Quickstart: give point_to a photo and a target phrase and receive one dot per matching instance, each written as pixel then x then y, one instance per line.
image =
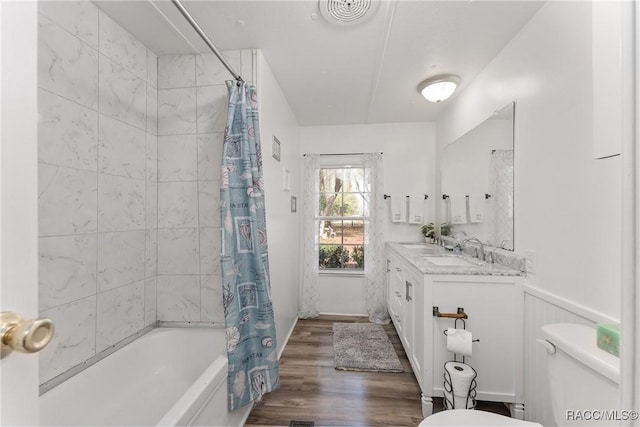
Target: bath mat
pixel 302 424
pixel 363 347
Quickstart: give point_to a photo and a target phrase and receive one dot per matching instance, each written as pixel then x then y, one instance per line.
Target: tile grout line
pixel 91 233
pixel 43 14
pixel 195 72
pixel 94 294
pixel 157 213
pixel 95 336
pixel 146 176
pixel 96 110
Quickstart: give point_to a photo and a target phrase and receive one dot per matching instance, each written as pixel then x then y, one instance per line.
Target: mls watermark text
pixel 601 415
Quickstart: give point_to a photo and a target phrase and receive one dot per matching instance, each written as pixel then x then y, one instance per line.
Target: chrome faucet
pixel 474 240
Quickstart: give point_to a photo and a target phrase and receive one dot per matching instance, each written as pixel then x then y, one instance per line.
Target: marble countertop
pixel 428 258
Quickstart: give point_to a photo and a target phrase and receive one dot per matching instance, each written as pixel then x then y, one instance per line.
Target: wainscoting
pixel 541 308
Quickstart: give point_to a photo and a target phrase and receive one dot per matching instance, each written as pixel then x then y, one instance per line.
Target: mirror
pixel 476 181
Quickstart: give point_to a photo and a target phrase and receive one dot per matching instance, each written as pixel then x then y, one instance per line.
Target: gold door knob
pixel 25 336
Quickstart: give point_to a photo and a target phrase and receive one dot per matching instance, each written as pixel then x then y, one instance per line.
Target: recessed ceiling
pixel 336 75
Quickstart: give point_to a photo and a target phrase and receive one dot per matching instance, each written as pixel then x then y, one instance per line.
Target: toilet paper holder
pixel 460 314
pixel 464 326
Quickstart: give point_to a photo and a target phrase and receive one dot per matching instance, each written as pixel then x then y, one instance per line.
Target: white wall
pixel 409 169
pixel 277 118
pixel 567 205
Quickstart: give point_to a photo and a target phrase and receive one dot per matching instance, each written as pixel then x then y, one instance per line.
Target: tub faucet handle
pixel 25 336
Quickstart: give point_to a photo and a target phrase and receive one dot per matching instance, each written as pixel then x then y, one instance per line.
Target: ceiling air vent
pixel 347 12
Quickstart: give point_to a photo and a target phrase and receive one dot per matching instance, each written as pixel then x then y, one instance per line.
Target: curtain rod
pixel 206 39
pixel 339 154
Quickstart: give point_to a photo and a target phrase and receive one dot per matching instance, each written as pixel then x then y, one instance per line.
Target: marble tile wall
pixel 192 101
pixel 98 183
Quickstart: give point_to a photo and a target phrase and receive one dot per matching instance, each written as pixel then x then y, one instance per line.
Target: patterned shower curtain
pixel 248 310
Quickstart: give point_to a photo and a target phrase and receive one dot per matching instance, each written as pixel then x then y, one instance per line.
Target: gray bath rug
pixel 363 347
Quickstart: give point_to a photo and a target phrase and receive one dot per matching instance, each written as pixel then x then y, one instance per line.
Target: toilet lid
pixel 467 417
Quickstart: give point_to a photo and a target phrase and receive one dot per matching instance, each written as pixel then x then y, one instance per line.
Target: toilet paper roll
pixel 456 402
pixel 459 341
pixel 460 402
pixel 448 400
pixel 460 376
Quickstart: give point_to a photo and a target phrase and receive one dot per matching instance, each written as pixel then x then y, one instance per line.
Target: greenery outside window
pixel 343 212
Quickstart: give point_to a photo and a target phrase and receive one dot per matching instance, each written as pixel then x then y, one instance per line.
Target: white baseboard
pixel 344 314
pixel 286 340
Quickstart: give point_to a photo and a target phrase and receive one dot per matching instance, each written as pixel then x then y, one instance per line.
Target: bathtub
pixel 167 377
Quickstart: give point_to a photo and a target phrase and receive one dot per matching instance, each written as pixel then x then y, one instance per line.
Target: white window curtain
pixel 374 259
pixel 310 292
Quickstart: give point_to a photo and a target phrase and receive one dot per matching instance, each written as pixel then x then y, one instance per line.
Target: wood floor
pixel 312 390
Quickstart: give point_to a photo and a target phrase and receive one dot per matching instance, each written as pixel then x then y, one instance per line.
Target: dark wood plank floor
pixel 312 390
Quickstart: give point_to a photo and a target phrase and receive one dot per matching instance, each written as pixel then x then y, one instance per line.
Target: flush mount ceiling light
pixel 438 88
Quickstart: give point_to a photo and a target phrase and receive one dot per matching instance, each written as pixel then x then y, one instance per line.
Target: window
pixel 343 193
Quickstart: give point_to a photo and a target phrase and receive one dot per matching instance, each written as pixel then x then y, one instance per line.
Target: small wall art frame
pixel 275 148
pixel 286 179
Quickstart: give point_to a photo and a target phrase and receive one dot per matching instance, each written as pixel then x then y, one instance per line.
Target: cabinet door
pixel 399 317
pixel 394 295
pixel 414 283
pixel 388 291
pixel 418 352
pixel 408 314
pixel 492 308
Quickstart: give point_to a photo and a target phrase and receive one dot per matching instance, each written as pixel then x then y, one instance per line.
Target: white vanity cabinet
pixel 405 302
pixel 494 305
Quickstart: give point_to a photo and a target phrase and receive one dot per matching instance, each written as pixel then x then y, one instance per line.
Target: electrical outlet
pixel 530 259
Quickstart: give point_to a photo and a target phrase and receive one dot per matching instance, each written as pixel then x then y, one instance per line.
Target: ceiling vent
pixel 348 12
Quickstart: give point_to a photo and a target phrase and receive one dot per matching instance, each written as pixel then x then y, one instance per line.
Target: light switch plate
pixel 530 257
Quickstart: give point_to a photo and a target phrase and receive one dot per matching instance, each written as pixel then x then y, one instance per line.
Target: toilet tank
pixel 583 379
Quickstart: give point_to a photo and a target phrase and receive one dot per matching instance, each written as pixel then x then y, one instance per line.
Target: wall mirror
pixel 476 181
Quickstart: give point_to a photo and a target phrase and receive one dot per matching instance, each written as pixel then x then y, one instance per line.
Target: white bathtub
pixel 168 377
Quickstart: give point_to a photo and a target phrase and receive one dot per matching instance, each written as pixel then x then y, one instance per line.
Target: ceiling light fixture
pixel 438 88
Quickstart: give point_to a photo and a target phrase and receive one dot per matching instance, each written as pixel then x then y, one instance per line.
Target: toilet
pixel 582 378
pixel 472 417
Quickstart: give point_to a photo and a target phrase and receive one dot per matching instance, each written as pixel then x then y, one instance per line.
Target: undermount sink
pixel 421 248
pixel 450 261
pixel 414 246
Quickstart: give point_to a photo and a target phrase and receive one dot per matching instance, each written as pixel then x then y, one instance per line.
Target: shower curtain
pixel 246 290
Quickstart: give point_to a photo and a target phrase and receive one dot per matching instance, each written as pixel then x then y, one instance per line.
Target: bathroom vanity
pixel 421 277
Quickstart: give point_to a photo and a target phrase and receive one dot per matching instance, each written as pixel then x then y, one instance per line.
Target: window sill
pixel 343 273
